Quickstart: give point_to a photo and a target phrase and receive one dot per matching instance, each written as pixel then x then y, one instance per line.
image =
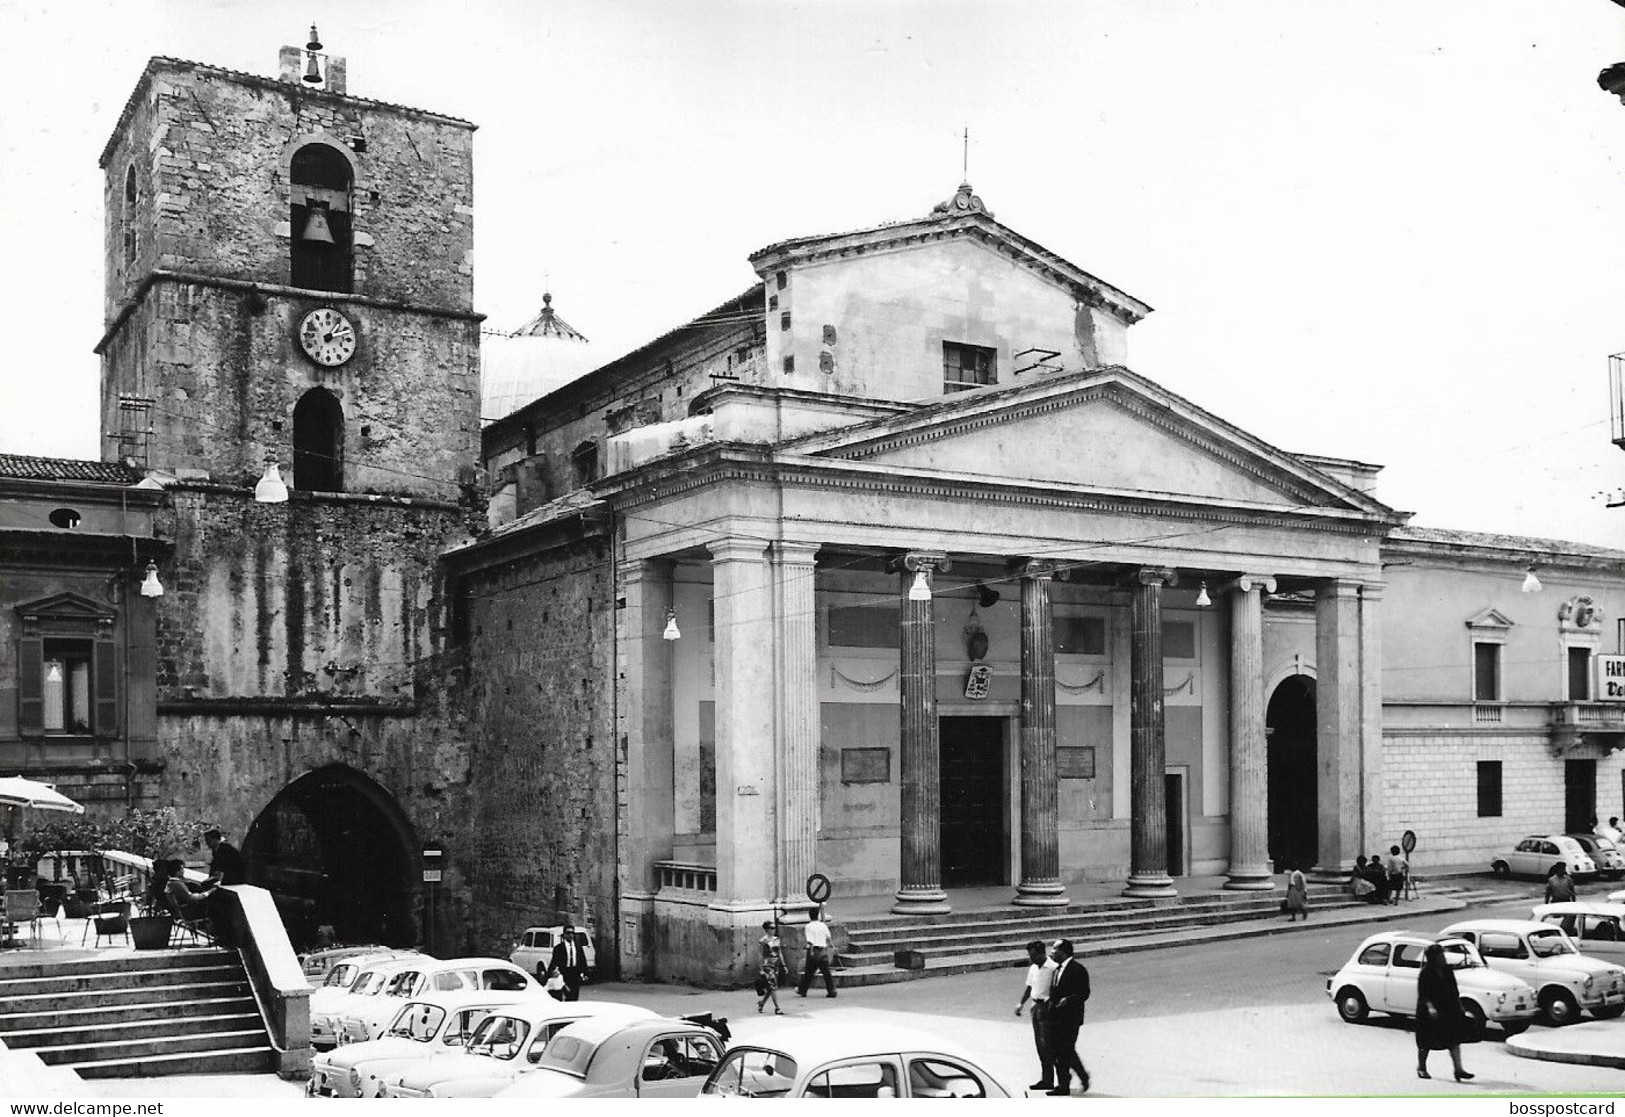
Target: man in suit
pixel 569 962
pixel 1069 990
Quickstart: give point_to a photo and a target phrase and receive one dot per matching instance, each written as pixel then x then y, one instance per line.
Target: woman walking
pixel 1440 1023
pixel 1559 885
pixel 767 978
pixel 1297 896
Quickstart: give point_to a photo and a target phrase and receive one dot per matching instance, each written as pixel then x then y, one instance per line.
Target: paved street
pixel 1246 1017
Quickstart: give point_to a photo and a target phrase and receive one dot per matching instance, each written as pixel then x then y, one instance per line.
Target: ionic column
pixel 1040 817
pixel 920 889
pixel 1148 840
pixel 1249 756
pixel 1372 829
pixel 1338 740
pixel 798 733
pixel 745 724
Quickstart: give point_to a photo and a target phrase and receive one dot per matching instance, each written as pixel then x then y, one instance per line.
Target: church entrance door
pixel 1294 807
pixel 975 832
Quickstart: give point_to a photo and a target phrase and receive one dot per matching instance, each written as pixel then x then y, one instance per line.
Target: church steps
pixel 233 1060
pixel 12 1022
pixel 105 982
pixel 102 1032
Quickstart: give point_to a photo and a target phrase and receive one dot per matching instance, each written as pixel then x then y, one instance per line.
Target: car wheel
pixel 1618 874
pixel 1501 869
pixel 1351 1005
pixel 1474 1012
pixel 1608 1013
pixel 1513 1029
pixel 1559 1007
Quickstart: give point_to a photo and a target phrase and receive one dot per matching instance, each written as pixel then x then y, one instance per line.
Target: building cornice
pixel 225 283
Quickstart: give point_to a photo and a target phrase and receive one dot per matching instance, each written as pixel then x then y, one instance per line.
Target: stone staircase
pixel 138 1015
pixel 962 942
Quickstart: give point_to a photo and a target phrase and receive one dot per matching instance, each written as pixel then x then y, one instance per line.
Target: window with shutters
pixel 67 668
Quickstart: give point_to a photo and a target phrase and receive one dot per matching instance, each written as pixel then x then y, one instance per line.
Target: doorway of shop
pixel 1294 786
pixel 1579 796
pixel 975 834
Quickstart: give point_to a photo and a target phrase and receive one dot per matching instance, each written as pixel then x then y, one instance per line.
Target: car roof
pixel 1513 926
pixel 1581 907
pixel 1554 837
pixel 454 1000
pixel 811 1043
pixel 557 927
pixel 612 1014
pixel 443 964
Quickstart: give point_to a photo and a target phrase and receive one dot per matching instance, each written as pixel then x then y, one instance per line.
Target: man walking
pixel 817 933
pixel 569 962
pixel 1040 975
pixel 1068 992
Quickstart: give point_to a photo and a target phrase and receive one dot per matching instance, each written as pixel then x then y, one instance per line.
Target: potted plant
pixel 160 834
pixel 54 839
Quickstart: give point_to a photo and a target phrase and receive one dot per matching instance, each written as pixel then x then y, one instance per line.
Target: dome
pixel 539 357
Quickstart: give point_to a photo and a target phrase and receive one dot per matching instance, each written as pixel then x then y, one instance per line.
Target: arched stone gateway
pixel 1293 806
pixel 335 848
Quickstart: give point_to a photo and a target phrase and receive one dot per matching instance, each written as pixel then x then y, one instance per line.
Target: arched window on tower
pixel 132 194
pixel 318 443
pixel 319 221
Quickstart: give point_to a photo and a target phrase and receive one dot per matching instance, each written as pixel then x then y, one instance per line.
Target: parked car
pixel 806 1059
pixel 1598 928
pixel 507 1042
pixel 365 976
pixel 1605 852
pixel 662 1057
pixel 319 963
pixel 533 953
pixel 1536 854
pixel 365 1018
pixel 423 1028
pixel 1566 982
pixel 1382 972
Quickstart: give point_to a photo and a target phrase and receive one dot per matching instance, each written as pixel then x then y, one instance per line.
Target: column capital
pixel 1337 587
pixel 1154 576
pixel 1039 568
pixel 1372 591
pixel 732 549
pixel 914 561
pixel 800 554
pixel 1246 583
pixel 631 571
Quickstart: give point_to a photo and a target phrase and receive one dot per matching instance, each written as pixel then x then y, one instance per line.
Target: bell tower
pixel 290 281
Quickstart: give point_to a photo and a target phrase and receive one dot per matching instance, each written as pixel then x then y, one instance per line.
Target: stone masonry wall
pixel 540 650
pixel 211 151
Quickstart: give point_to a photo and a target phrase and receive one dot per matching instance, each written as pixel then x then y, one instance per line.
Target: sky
pixel 1392 231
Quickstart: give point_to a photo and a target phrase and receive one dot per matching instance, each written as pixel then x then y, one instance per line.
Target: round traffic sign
pixel 818 888
pixel 1408 842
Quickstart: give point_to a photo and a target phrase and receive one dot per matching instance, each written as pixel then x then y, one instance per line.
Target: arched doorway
pixel 333 847
pixel 1294 806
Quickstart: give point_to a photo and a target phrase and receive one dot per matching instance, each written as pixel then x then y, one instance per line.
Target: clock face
pixel 327 337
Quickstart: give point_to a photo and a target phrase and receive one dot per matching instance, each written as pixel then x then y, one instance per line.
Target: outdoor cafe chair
pixel 22 906
pixel 111 920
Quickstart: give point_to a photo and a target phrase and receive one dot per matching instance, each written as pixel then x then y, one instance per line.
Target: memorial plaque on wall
pixel 978 681
pixel 1075 763
pixel 865 765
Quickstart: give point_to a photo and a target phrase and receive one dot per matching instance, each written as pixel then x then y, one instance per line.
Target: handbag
pixel 554 982
pixel 762 985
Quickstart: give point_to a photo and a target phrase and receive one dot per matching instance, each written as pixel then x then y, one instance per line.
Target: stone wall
pixel 540 634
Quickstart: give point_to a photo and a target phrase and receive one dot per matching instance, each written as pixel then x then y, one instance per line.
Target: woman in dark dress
pixel 1440 1023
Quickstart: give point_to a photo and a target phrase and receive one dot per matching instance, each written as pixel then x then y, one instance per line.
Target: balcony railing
pixel 1574 724
pixel 686 875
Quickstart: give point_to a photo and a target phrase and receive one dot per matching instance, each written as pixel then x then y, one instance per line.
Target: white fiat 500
pixel 1566 981
pixel 365 1018
pixel 1381 976
pixel 361 977
pixel 1598 927
pixel 1536 854
pixel 424 1027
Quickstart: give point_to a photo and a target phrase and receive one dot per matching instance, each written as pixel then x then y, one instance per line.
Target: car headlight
pixel 355 1080
pixel 1588 983
pixel 1500 999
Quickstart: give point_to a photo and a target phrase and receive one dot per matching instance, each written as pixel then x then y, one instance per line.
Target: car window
pixel 461 1027
pixel 1409 955
pixel 671 1057
pixel 418 1022
pixel 753 1074
pixel 854 1080
pixel 341 974
pixel 937 1078
pixel 544 1033
pixel 499 1037
pixel 1600 928
pixel 1459 957
pixel 504 979
pixel 1548 848
pixel 1604 843
pixel 568 1055
pixel 1374 955
pixel 1548 944
pixel 1528 845
pixel 527 939
pixel 1499 944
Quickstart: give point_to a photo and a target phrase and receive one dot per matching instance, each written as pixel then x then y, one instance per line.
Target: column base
pixel 921 901
pixel 1155 886
pixel 1048 894
pixel 1251 878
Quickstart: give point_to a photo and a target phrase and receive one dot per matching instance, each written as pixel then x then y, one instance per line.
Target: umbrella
pixel 18 792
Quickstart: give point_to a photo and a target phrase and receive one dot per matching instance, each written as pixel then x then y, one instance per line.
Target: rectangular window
pixel 1178 640
pixel 1579 674
pixel 967 366
pixel 1489 789
pixel 1080 635
pixel 865 626
pixel 67 686
pixel 1486 672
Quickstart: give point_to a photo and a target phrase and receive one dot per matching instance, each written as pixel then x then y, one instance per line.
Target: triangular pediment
pixel 1104 430
pixel 1489 619
pixel 65 606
